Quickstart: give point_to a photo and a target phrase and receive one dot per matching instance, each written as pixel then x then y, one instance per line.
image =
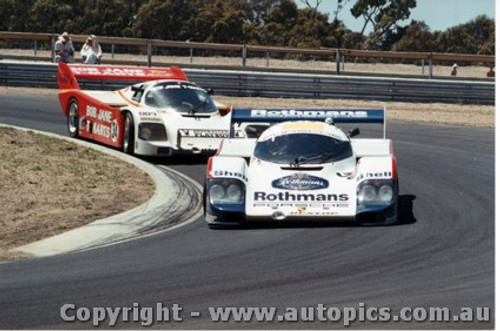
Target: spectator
pixel 64 49
pixel 454 69
pixel 491 73
pixel 91 51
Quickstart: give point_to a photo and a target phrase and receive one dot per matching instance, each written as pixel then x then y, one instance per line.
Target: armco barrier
pixel 284 85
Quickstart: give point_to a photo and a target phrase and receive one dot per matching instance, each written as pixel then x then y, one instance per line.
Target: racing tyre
pixel 73 118
pixel 128 134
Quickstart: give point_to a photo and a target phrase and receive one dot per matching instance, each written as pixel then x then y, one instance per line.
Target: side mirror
pixel 354 132
pixel 223 111
pixel 210 91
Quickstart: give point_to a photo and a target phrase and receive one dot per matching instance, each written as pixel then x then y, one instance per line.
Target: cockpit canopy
pixel 302 148
pixel 180 96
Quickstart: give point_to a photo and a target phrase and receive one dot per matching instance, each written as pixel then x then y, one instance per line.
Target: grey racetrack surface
pixel 441 255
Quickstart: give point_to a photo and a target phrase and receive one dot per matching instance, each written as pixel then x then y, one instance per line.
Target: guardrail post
pixel 267 59
pixel 337 60
pixel 112 51
pixel 36 46
pixel 430 65
pixel 52 47
pixel 343 62
pixel 244 57
pixel 191 55
pixel 150 51
pixel 423 66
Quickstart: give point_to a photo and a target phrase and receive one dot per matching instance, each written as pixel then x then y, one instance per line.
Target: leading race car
pixel 162 114
pixel 304 167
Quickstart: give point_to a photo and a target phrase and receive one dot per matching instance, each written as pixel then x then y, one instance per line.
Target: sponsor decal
pixel 369 175
pixel 300 182
pixel 147 113
pixel 197 133
pixel 302 197
pixel 223 173
pixel 103 125
pixel 109 71
pixel 307 114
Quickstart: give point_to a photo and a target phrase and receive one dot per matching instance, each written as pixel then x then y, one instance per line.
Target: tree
pixel 163 19
pixel 56 16
pixel 311 30
pixel 383 15
pixel 474 37
pixel 416 38
pixel 277 24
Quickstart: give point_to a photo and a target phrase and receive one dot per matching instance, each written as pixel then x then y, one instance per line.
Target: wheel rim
pixel 73 118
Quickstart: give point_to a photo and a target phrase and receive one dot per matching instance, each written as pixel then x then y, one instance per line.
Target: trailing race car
pixel 303 167
pixel 161 115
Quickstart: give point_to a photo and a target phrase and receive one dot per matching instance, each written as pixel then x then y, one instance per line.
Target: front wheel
pixel 128 134
pixel 73 116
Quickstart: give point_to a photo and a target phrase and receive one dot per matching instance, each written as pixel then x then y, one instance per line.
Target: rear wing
pixel 370 116
pixel 67 74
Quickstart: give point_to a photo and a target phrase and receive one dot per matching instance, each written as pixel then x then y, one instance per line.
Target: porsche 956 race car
pixel 162 114
pixel 303 167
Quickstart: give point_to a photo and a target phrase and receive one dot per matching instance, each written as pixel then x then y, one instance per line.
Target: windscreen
pixel 302 148
pixel 182 97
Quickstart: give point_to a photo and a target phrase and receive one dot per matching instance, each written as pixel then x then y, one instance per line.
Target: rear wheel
pixel 73 117
pixel 128 134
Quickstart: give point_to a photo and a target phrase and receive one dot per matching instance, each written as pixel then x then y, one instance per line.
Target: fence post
pixel 337 60
pixel 244 57
pixel 267 59
pixel 430 65
pixel 191 55
pixel 52 48
pixel 112 51
pixel 423 66
pixel 150 51
pixel 36 46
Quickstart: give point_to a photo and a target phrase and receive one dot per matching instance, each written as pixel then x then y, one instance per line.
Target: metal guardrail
pixel 284 85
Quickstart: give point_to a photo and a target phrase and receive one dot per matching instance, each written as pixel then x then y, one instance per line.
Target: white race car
pixel 304 167
pixel 161 115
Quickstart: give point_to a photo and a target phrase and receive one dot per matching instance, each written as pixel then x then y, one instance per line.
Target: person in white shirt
pixel 91 51
pixel 64 49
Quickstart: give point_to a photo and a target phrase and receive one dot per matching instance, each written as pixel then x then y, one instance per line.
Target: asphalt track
pixel 441 255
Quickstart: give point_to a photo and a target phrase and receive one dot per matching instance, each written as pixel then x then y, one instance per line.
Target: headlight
pixel 385 193
pixel 152 131
pixel 217 192
pixel 368 193
pixel 145 133
pixel 376 192
pixel 234 193
pixel 226 191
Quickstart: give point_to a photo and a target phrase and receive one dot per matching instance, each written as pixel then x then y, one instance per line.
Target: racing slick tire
pixel 128 134
pixel 73 118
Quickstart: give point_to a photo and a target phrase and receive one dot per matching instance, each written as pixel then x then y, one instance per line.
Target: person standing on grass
pixel 91 51
pixel 64 49
pixel 454 69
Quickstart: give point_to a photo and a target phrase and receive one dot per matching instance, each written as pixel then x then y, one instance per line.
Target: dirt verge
pixel 48 186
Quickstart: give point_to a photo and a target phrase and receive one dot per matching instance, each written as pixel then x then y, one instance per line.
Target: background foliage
pixel 260 22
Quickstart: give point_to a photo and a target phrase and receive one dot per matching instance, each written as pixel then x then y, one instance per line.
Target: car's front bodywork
pixel 302 169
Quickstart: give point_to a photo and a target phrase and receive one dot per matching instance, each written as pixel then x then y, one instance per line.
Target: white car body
pixel 308 189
